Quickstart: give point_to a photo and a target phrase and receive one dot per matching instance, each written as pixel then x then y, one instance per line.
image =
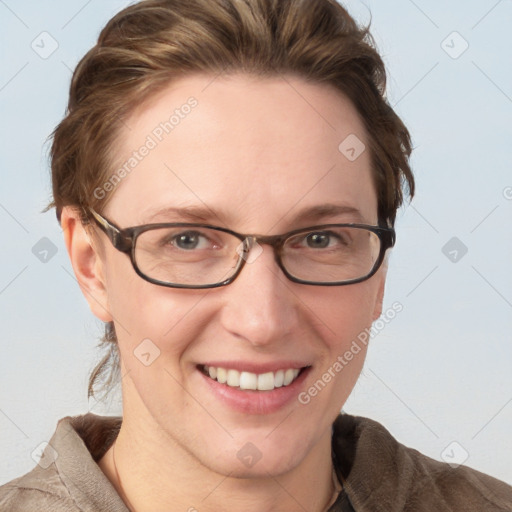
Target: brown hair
pixel 148 44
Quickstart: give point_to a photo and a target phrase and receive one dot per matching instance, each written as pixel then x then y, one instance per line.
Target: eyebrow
pixel 316 213
pixel 185 213
pixel 203 214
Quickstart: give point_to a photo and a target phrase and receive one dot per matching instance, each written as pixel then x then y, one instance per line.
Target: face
pixel 252 155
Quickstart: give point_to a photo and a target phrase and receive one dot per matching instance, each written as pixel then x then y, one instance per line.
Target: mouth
pixel 249 381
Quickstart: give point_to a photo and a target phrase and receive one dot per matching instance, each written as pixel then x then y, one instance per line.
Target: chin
pixel 262 453
pixel 249 462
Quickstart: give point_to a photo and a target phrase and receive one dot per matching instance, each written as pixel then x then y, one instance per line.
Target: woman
pixel 227 179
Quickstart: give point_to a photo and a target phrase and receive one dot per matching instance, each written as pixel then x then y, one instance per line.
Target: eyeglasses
pixel 186 255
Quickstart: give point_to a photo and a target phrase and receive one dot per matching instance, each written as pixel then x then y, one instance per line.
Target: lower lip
pixel 256 402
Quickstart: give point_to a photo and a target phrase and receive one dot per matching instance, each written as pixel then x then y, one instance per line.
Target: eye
pixel 324 240
pixel 190 240
pixel 336 239
pixel 318 240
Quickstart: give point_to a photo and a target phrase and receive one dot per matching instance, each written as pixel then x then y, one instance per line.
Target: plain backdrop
pixel 439 375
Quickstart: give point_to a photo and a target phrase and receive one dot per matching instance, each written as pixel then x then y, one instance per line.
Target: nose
pixel 260 305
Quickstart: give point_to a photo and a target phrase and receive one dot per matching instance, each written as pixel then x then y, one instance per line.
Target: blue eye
pixel 189 240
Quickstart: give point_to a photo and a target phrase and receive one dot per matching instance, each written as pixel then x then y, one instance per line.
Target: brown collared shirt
pixel 378 474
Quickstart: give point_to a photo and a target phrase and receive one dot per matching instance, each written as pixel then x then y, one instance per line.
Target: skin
pixel 256 152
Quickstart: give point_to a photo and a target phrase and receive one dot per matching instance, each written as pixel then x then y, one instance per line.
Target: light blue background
pixel 440 372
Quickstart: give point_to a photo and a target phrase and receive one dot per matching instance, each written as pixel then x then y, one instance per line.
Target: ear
pixel 379 298
pixel 86 262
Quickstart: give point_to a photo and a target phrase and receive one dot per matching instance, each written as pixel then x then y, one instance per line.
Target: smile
pixel 252 381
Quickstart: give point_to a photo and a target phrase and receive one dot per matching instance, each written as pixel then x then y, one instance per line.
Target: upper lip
pixel 252 367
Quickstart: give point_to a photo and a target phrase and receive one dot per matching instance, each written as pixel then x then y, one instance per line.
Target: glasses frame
pixel 124 240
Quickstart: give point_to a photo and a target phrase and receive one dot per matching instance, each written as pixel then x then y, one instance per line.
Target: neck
pixel 138 465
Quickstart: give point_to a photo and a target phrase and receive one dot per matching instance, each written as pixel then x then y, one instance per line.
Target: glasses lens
pixel 187 255
pixel 336 254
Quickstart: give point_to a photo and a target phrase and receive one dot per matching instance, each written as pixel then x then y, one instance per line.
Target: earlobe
pixel 86 262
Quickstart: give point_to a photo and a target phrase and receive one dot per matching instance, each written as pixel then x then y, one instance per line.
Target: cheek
pixel 343 312
pixel 151 316
pixel 344 316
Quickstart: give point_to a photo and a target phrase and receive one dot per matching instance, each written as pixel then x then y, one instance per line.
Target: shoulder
pixel 67 478
pixel 379 470
pixel 39 490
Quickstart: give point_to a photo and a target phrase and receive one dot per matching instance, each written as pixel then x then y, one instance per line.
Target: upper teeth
pixel 247 380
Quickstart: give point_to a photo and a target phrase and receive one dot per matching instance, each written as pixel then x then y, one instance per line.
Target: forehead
pixel 257 151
